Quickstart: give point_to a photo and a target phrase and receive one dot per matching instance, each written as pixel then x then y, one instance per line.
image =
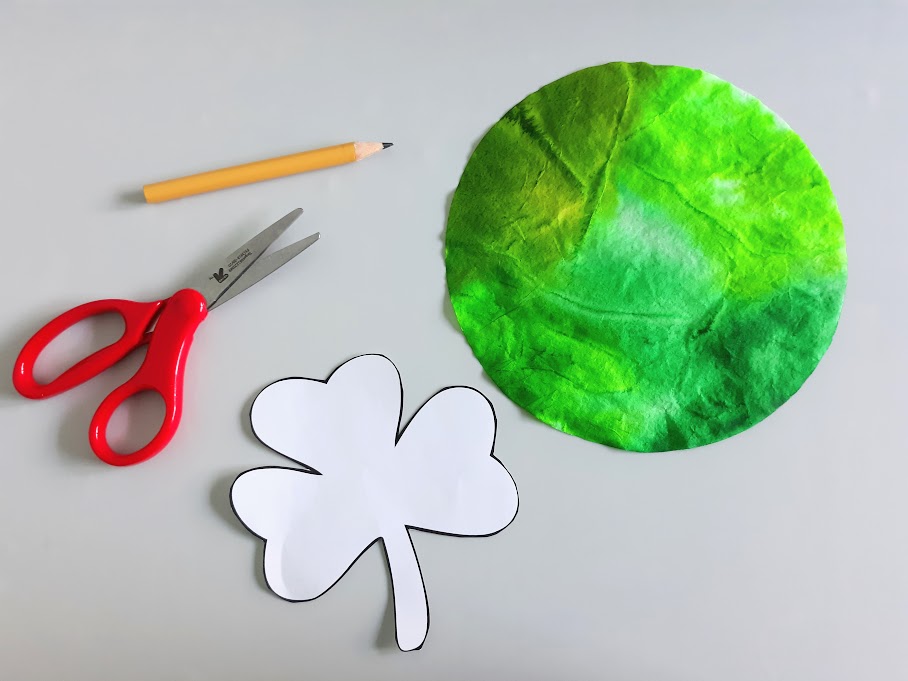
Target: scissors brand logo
pixel 220 276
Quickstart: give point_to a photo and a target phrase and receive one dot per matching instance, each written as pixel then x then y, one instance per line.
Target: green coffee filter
pixel 646 257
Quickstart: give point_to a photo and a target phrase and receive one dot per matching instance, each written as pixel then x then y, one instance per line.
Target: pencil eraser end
pixel 149 194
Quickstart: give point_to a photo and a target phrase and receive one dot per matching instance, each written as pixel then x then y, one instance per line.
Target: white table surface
pixel 778 554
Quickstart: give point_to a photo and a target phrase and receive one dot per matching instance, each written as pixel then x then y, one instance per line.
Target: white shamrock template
pixel 364 480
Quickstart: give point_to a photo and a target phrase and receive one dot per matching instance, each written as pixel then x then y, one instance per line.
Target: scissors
pixel 167 326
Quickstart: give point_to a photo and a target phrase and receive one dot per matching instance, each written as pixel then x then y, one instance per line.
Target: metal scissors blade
pixel 232 268
pixel 262 267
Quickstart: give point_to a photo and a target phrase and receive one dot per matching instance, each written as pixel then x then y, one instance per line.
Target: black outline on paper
pixel 308 470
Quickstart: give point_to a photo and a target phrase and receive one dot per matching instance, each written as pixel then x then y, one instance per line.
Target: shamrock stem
pixel 411 608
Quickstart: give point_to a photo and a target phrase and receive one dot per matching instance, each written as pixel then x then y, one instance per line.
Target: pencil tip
pixel 385 145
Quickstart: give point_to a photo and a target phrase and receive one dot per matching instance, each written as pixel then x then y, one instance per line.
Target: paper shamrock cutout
pixel 365 480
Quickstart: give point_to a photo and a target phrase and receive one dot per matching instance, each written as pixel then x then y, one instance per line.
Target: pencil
pixel 257 171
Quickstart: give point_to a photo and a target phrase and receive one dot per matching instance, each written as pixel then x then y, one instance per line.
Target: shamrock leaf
pixel 363 480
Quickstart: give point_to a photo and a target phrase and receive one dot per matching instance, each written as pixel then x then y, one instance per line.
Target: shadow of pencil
pixel 131 197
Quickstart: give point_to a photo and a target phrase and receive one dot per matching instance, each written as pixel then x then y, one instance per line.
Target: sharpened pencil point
pixel 365 149
pixel 385 145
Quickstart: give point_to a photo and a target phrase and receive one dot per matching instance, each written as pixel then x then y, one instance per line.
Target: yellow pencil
pixel 257 171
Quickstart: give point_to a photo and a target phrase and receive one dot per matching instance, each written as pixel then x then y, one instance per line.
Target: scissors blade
pixel 232 268
pixel 265 266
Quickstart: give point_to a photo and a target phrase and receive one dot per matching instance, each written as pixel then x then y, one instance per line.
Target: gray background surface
pixel 778 554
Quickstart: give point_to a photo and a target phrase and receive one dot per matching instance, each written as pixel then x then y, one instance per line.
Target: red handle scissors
pixel 167 326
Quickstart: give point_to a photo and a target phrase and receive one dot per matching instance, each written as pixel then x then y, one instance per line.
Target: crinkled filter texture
pixel 646 257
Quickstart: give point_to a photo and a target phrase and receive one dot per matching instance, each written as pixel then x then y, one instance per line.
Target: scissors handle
pixel 137 317
pixel 161 372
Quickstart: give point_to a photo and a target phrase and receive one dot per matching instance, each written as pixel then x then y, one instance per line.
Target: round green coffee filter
pixel 645 256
